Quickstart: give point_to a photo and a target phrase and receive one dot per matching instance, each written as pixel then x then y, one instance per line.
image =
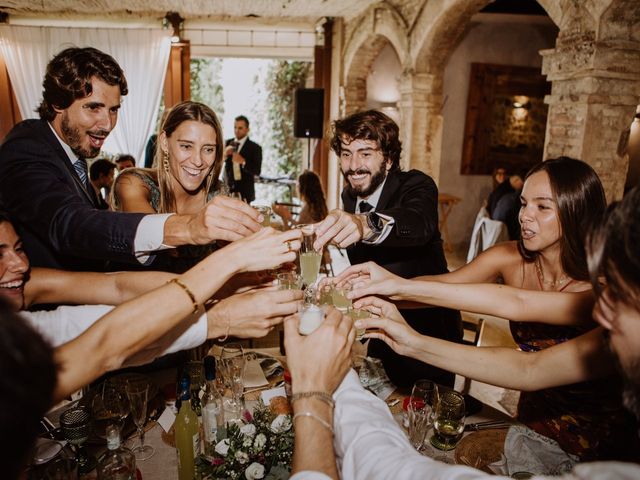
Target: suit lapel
pixel 391 185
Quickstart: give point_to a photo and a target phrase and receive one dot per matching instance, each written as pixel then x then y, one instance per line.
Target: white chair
pixel 486 233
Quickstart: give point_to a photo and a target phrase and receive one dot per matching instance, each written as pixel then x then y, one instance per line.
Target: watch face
pixel 375 222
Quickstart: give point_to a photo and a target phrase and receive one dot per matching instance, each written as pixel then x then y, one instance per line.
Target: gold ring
pixel 289 249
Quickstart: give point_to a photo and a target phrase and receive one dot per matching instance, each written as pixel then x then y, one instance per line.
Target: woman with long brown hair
pixel 560 199
pixel 314 208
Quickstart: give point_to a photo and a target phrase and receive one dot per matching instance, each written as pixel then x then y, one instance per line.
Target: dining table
pixel 163 465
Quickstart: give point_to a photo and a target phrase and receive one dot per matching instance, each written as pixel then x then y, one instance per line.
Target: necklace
pixel 552 284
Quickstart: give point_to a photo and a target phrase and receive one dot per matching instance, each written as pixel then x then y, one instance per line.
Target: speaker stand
pixel 308 153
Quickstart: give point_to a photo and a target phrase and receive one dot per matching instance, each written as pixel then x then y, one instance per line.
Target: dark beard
pixel 630 379
pixel 72 138
pixel 376 180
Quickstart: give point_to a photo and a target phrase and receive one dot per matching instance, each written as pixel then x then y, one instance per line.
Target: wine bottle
pixel 187 434
pixel 212 411
pixel 118 462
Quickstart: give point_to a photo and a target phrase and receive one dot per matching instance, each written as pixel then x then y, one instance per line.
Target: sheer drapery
pixel 143 55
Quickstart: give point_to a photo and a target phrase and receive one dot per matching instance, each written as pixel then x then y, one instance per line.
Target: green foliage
pixel 283 78
pixel 205 83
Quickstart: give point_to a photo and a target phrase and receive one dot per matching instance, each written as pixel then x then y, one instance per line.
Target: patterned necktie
pixel 80 166
pixel 365 206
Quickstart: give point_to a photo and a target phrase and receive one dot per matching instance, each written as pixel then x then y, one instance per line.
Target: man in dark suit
pixel 243 161
pixel 389 217
pixel 45 189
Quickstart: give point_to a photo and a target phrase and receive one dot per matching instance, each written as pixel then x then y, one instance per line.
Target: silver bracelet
pixel 323 396
pixel 322 422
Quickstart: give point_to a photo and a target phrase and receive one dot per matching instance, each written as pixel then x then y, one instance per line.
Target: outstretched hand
pixel 340 228
pixel 392 330
pixel 370 279
pixel 223 218
pixel 266 249
pixel 319 362
pixel 252 314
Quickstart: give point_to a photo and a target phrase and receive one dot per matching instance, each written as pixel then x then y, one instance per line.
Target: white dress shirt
pixel 370 445
pixel 67 322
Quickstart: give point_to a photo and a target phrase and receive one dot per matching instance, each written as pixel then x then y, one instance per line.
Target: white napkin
pixel 253 375
pixel 528 451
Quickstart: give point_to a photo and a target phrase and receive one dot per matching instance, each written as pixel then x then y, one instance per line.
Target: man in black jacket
pixel 243 161
pixel 45 189
pixel 389 217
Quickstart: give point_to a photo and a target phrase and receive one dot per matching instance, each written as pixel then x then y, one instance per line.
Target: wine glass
pixel 115 401
pixel 138 392
pixel 309 257
pixel 448 423
pixel 76 427
pixel 232 362
pixel 423 399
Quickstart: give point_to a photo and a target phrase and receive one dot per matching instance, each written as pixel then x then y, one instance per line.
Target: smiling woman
pixel 188 161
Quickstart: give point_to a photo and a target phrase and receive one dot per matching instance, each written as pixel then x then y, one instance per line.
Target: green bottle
pixel 187 434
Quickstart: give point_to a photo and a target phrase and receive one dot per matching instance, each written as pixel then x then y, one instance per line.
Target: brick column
pixel 595 91
pixel 421 122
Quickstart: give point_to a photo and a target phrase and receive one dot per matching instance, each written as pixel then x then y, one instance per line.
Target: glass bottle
pixel 212 411
pixel 187 434
pixel 118 462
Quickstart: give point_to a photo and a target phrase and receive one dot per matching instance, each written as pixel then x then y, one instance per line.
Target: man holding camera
pixel 243 161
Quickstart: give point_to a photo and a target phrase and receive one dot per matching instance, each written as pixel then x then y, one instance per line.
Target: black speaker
pixel 309 113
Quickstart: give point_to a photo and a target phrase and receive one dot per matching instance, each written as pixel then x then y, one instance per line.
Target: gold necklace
pixel 550 283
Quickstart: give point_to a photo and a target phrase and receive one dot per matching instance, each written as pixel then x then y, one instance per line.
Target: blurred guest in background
pixel 125 161
pixel 243 161
pixel 101 174
pixel 314 207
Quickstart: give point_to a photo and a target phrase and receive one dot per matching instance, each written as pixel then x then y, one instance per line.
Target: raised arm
pixel 491 299
pixel 582 358
pixel 115 337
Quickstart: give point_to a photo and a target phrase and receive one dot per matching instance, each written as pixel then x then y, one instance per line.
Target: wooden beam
pixel 177 87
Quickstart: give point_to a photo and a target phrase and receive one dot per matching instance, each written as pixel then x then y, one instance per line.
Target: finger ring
pixel 289 249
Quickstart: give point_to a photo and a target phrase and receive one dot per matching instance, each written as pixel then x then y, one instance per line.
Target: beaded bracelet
pixel 323 396
pixel 322 422
pixel 188 292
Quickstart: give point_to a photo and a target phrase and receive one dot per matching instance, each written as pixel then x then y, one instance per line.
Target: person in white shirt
pixel 238 309
pixel 369 444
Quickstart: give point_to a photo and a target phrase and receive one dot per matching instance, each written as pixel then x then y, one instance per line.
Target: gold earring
pixel 165 161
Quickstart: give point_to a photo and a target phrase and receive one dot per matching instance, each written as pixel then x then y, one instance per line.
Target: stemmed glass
pixel 309 257
pixel 115 401
pixel 138 392
pixel 423 400
pixel 232 363
pixel 76 427
pixel 448 424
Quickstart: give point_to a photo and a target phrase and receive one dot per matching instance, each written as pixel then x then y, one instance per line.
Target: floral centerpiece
pixel 260 447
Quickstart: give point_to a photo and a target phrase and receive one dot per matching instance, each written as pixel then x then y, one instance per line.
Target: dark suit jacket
pixel 252 153
pixel 54 214
pixel 412 248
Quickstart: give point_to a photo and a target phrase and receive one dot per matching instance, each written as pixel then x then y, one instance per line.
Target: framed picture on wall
pixel 506 119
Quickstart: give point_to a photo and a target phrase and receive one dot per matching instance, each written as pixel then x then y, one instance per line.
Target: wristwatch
pixel 374 222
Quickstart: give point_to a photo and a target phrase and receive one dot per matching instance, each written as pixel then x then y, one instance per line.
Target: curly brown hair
pixel 311 192
pixel 68 78
pixel 369 125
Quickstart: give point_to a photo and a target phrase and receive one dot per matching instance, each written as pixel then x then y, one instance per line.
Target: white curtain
pixel 143 55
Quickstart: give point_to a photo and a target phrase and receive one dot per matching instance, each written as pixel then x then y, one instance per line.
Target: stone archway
pixel 377 27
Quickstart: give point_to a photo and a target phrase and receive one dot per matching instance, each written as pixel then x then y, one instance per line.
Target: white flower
pixel 247 442
pixel 242 457
pixel 260 442
pixel 248 430
pixel 222 447
pixel 280 424
pixel 254 471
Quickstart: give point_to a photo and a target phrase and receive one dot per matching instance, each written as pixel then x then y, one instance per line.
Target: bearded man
pixel 45 189
pixel 389 217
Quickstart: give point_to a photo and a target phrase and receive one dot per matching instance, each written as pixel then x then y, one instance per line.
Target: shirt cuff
pixel 377 238
pixel 149 236
pixel 309 475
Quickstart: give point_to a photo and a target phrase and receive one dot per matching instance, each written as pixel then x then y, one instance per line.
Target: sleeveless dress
pixel 587 419
pixel 182 258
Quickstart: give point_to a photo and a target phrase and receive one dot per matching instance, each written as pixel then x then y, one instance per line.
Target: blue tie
pixel 80 166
